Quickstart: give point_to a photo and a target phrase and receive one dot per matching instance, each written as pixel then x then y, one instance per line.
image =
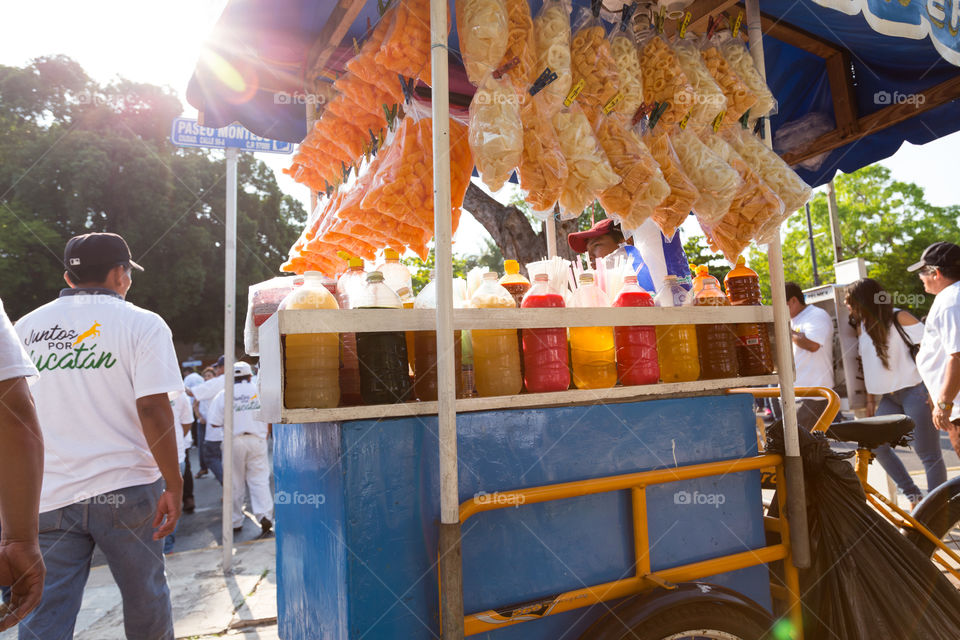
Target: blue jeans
pixel 171 539
pixel 213 454
pixel 120 524
pixel 912 401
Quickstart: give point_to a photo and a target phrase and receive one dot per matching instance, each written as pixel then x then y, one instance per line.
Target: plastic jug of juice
pixel 384 377
pixel 395 275
pixel 311 360
pixel 496 355
pixel 592 349
pixel 636 345
pixel 406 299
pixel 518 286
pixel 753 339
pixel 425 363
pixel 717 342
pixel 545 363
pixel 351 281
pixel 677 350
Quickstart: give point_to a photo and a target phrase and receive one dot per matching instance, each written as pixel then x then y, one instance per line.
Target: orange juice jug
pixel 592 349
pixel 717 342
pixel 753 339
pixel 496 354
pixel 677 350
pixel 351 281
pixel 311 360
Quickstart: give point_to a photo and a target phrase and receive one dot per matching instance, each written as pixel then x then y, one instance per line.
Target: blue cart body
pixel 358 512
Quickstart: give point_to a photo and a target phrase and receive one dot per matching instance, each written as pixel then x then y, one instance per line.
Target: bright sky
pixel 159 43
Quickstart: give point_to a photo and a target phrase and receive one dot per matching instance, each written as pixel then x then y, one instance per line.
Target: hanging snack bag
pixel 543 169
pixel 482 26
pixel 716 181
pixel 642 186
pixel 367 97
pixel 496 130
pixel 520 45
pixel 589 171
pixel 738 94
pixel 675 208
pixel 776 173
pixel 753 207
pixel 406 46
pixel 364 65
pixel 663 77
pixel 709 99
pixel 551 36
pixel 738 57
pixel 623 46
pixel 591 62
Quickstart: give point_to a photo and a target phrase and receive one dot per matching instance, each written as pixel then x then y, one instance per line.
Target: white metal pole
pixel 550 228
pixel 450 566
pixel 796 495
pixel 229 342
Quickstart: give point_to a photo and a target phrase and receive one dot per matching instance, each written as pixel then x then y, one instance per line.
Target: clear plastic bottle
pixel 677 350
pixel 351 282
pixel 636 345
pixel 425 364
pixel 384 377
pixel 545 363
pixel 311 360
pixel 496 355
pixel 592 349
pixel 717 342
pixel 753 339
pixel 395 275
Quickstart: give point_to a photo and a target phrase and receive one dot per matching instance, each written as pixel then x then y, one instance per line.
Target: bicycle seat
pixel 873 432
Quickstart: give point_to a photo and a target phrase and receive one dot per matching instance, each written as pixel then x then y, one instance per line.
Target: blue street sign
pixel 187 132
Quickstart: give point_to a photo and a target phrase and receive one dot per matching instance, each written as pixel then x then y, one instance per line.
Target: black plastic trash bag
pixel 866 580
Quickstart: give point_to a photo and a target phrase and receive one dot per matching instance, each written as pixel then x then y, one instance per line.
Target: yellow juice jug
pixel 592 349
pixel 496 353
pixel 677 350
pixel 311 362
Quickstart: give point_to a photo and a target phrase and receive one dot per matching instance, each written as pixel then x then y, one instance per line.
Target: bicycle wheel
pixel 698 621
pixel 943 522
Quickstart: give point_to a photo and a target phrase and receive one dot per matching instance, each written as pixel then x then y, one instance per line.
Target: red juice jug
pixel 636 345
pixel 544 350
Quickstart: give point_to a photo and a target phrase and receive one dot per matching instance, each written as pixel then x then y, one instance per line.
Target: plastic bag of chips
pixel 623 46
pixel 663 78
pixel 406 45
pixel 738 94
pixel 589 171
pixel 482 26
pixel 738 57
pixel 551 35
pixel 496 130
pixel 708 99
pixel 675 208
pixel 543 169
pixel 364 65
pixel 591 62
pixel 520 45
pixel 716 181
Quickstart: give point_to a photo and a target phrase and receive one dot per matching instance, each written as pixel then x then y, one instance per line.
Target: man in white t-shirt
pixel 939 357
pixel 203 393
pixel 183 417
pixel 111 478
pixel 251 466
pixel 21 471
pixel 811 329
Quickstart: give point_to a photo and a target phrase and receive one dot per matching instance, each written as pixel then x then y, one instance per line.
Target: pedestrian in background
pixel 811 330
pixel 200 414
pixel 203 394
pixel 939 356
pixel 183 419
pixel 890 372
pixel 251 466
pixel 111 478
pixel 21 471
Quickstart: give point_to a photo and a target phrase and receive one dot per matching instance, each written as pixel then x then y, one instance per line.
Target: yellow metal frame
pixel 645 579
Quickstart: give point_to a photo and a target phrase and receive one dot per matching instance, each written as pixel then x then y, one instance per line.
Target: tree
pixel 77 157
pixel 885 221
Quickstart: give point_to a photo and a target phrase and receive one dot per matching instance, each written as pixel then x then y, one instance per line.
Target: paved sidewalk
pixel 206 604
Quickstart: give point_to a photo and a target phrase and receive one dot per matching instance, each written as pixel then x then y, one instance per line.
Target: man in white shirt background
pixel 21 471
pixel 111 478
pixel 939 358
pixel 251 466
pixel 203 393
pixel 811 330
pixel 183 417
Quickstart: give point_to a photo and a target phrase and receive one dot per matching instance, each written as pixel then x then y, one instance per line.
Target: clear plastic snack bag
pixel 551 36
pixel 592 63
pixel 520 45
pixel 623 46
pixel 496 130
pixel 739 96
pixel 738 57
pixel 482 28
pixel 589 171
pixel 708 99
pixel 716 181
pixel 674 209
pixel 543 169
pixel 663 77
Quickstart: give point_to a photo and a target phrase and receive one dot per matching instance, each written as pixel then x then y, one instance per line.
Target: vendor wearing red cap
pixel 599 241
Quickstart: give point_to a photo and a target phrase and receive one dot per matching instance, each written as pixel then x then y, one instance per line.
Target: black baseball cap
pixel 95 249
pixel 220 361
pixel 939 254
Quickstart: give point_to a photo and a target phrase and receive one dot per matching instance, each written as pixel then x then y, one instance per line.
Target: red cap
pixel 578 240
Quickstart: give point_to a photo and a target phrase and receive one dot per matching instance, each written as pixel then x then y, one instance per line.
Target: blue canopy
pixel 254 71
